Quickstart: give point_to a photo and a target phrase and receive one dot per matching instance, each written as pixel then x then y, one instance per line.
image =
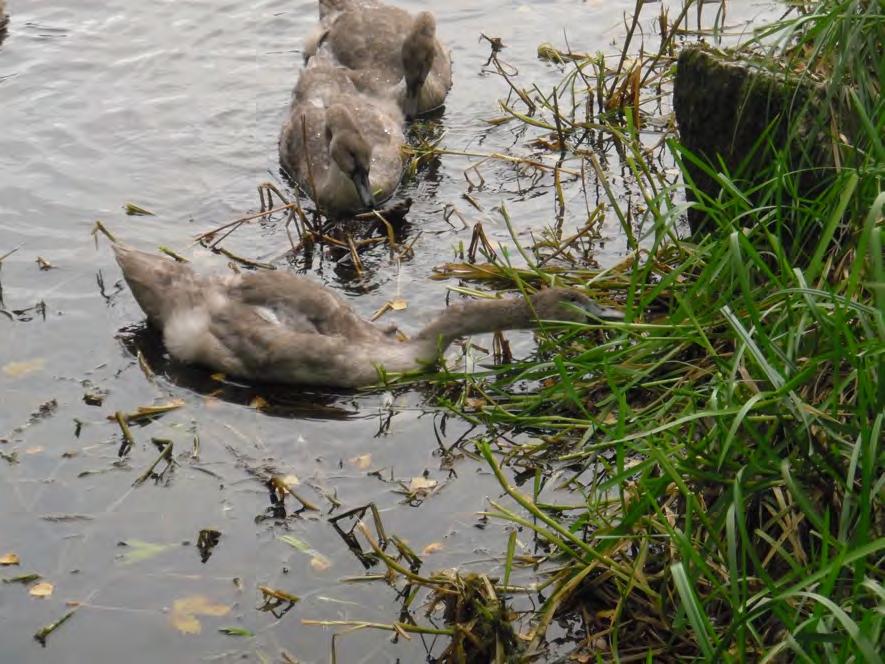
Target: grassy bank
pixel 721 449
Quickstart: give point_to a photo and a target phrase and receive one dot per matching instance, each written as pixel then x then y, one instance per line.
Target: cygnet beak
pixel 363 189
pixel 596 310
pixel 410 103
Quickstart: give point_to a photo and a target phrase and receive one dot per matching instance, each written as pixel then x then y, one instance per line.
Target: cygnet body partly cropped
pixel 342 147
pixel 391 52
pixel 277 327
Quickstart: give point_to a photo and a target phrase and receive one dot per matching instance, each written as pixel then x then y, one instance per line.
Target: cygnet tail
pixel 330 8
pixel 159 285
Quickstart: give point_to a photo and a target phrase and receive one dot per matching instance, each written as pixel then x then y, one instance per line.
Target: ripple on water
pixel 177 106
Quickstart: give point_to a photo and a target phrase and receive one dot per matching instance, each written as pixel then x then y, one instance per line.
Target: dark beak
pixel 363 189
pixel 410 103
pixel 596 310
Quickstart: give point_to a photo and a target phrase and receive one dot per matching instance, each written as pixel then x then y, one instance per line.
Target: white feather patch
pixel 186 334
pixel 268 314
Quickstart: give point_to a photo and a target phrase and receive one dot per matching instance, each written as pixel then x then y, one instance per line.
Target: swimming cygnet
pixel 277 327
pixel 342 147
pixel 391 52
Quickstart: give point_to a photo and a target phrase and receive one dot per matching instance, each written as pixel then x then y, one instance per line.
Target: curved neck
pixel 477 318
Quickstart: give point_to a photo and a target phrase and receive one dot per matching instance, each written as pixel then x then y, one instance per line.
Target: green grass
pixel 734 434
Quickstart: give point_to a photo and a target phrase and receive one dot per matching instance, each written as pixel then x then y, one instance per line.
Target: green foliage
pixel 728 448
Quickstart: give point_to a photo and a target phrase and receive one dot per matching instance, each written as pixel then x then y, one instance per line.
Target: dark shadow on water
pixel 286 401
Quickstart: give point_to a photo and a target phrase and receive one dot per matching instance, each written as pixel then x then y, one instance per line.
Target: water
pixel 176 106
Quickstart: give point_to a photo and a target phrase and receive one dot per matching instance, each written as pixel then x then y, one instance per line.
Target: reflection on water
pixel 275 400
pixel 177 107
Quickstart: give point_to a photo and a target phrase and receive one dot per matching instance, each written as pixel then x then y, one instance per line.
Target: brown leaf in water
pixel 258 403
pixel 433 547
pixel 42 590
pixel 137 211
pixel 21 369
pixel 290 480
pixel 10 559
pixel 398 304
pixel 422 484
pixel 361 462
pixel 183 616
pixel 320 563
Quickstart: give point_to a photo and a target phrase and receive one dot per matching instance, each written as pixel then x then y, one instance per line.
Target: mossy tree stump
pixel 745 116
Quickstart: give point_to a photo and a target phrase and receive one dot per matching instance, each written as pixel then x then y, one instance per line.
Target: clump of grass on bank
pixel 725 449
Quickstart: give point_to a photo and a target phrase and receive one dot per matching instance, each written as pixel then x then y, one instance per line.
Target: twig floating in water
pixel 166 454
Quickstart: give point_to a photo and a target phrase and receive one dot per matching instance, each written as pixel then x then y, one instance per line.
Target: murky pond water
pixel 177 106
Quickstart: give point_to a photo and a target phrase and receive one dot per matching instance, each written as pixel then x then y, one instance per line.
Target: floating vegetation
pixel 44 632
pixel 134 210
pixel 147 412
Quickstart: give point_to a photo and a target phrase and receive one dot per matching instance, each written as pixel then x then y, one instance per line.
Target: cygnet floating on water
pixel 390 52
pixel 342 147
pixel 277 327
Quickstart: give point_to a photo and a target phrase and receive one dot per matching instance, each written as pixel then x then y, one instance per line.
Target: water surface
pixel 176 106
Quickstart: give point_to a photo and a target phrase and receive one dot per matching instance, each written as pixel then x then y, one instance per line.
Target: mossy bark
pixel 744 115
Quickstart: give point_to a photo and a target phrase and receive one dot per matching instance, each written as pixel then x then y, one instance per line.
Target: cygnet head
pixel 568 304
pixel 417 53
pixel 350 151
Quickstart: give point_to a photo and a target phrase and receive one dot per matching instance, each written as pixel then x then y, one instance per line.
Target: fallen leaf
pixel 218 377
pixel 320 563
pixel 42 589
pixel 258 403
pixel 140 550
pixel 398 304
pixel 421 484
pixel 34 450
pixel 290 480
pixel 44 264
pixel 475 403
pixel 136 210
pixel 293 541
pixel 9 559
pixel 235 631
pixel 21 369
pixel 433 547
pixel 183 616
pixel 362 462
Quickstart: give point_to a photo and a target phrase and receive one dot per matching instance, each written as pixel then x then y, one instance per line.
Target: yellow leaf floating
pixel 290 480
pixel 9 559
pixel 258 403
pixel 422 484
pixel 433 547
pixel 320 563
pixel 42 589
pixel 183 616
pixel 362 462
pixel 398 304
pixel 21 369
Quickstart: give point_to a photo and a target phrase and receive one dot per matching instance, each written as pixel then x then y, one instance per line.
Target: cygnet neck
pixel 477 318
